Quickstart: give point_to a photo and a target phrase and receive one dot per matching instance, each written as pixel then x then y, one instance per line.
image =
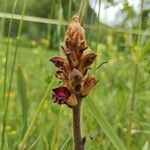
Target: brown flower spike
pixel 72 70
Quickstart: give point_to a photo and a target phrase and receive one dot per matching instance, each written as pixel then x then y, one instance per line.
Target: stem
pixel 134 82
pixel 78 141
pixel 132 105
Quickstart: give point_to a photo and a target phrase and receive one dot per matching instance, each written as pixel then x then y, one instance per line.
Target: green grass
pixel 112 96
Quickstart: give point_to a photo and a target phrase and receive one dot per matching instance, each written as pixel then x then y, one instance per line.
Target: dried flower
pixel 72 70
pixel 58 61
pixel 89 83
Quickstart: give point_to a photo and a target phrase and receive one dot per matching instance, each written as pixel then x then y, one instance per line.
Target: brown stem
pixel 78 141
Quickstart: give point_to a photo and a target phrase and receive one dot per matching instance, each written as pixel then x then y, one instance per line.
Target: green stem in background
pixel 78 141
pixel 69 12
pixel 49 26
pixel 98 31
pixel 132 106
pixel 4 6
pixel 140 24
pixel 35 117
pixel 11 75
pixel 57 132
pixel 104 124
pixel 65 144
pixel 7 50
pixel 131 111
pixel 90 24
pixel 83 9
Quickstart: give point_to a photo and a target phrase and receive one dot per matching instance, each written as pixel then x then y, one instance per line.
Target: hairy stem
pixel 78 141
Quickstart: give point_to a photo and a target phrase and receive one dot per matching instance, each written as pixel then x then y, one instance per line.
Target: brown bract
pixel 72 70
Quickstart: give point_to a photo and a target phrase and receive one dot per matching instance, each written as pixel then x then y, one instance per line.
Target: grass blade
pixel 56 134
pixel 145 49
pixel 66 142
pixel 101 120
pixel 34 19
pixel 35 117
pixel 12 70
pixel 135 80
pixel 22 91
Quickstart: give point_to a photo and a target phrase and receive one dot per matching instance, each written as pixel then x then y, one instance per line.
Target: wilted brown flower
pixel 72 70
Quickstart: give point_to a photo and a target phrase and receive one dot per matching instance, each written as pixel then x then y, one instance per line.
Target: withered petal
pixel 72 100
pixel 58 61
pixel 81 50
pixel 73 58
pixel 88 59
pixel 89 83
pixel 75 36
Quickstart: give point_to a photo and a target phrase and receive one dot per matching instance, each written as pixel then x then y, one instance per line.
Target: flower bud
pixel 75 36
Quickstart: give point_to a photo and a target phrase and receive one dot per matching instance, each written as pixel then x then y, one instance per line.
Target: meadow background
pixel 115 115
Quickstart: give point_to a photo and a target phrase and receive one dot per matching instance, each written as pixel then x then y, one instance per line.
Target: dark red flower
pixel 61 95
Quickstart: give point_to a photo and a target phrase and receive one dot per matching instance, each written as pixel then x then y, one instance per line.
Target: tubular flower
pixel 61 95
pixel 72 70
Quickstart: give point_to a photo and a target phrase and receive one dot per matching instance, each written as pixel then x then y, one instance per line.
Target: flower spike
pixel 72 69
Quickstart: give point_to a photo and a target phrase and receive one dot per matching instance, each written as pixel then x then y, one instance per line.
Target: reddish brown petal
pixel 61 95
pixel 86 61
pixel 58 61
pixel 89 83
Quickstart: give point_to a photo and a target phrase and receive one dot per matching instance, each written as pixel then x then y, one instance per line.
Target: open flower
pixel 61 95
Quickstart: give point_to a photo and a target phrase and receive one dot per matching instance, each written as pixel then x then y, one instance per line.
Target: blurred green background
pixel 118 31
